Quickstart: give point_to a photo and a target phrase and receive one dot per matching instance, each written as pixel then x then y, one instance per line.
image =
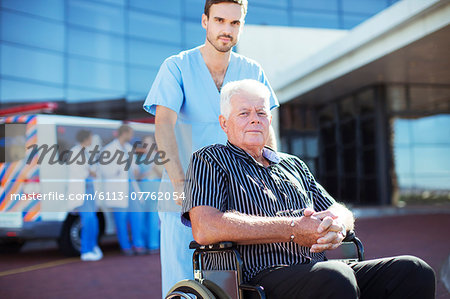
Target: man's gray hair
pixel 248 86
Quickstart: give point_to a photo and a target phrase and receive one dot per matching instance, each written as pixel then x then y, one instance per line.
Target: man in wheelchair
pixel 281 218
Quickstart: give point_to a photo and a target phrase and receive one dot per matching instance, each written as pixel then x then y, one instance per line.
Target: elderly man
pixel 249 194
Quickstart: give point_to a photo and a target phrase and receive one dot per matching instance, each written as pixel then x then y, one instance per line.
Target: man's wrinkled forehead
pixel 243 99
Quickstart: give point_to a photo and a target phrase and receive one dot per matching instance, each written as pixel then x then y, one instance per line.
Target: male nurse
pixel 185 99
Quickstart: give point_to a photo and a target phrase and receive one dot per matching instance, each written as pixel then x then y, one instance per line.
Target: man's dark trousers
pixel 396 277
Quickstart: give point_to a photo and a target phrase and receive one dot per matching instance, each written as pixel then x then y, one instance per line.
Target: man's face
pixel 249 121
pixel 224 25
pixel 88 141
pixel 128 135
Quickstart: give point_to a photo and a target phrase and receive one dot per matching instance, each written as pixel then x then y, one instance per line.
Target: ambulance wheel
pixel 70 238
pixel 11 245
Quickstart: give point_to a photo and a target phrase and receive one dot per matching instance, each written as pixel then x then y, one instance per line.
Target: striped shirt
pixel 229 179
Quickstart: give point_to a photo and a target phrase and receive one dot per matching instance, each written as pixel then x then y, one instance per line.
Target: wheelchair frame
pixel 203 288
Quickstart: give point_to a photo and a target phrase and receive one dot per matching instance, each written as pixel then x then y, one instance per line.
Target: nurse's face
pixel 224 25
pixel 87 142
pixel 128 135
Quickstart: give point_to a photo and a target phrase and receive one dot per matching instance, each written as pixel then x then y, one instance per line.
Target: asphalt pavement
pixel 42 272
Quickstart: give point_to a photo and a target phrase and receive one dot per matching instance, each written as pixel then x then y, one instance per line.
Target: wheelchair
pixel 228 284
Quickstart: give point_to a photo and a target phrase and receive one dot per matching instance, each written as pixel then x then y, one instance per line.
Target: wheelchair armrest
pixel 212 247
pixel 352 238
pixel 257 289
pixel 349 237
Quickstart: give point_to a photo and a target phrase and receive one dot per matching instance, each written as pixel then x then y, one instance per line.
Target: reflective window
pixel 46 34
pixel 434 130
pixel 278 3
pixel 96 16
pixel 114 2
pixel 284 146
pixel 53 9
pixel 96 45
pixel 421 153
pixel 155 27
pixel 97 75
pixel 366 101
pixel 114 45
pixel 403 156
pixel 195 34
pixel 169 7
pixel 314 4
pixel 350 21
pixel 318 20
pixel 267 16
pixel 368 6
pixel 82 95
pixel 432 159
pixel 402 133
pixel 20 91
pixel 193 10
pixel 140 79
pixel 32 64
pixel 149 54
pixel 306 148
pixel 396 97
pixel 136 97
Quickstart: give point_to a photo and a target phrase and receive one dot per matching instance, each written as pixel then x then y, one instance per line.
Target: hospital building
pixel 363 85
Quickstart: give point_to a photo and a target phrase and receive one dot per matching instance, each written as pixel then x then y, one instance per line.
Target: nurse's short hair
pixel 246 86
pixel 209 3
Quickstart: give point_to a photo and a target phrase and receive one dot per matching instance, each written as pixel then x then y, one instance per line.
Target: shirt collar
pixel 267 153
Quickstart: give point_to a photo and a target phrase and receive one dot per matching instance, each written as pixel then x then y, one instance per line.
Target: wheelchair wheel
pixel 189 289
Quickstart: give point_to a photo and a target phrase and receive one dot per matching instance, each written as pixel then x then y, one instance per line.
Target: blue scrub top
pixel 185 85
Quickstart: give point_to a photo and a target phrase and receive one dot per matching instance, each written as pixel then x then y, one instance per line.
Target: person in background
pixel 81 176
pixel 136 211
pixel 116 179
pixel 148 176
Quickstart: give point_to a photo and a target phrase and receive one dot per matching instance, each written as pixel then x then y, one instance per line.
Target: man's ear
pixel 204 20
pixel 223 123
pixel 270 119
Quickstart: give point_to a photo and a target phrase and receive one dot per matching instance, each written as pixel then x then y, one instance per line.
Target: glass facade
pixel 338 141
pixel 383 144
pixel 420 137
pixel 93 50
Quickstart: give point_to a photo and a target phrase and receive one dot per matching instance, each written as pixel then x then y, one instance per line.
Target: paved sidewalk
pixel 44 273
pixel 425 236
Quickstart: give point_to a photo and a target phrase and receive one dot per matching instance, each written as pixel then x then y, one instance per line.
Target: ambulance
pixel 26 176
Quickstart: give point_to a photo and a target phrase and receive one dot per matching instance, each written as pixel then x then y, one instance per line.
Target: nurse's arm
pixel 165 120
